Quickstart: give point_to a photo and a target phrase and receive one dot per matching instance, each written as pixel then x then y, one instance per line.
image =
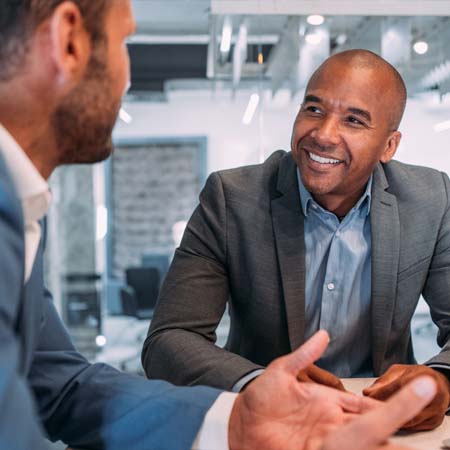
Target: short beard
pixel 84 121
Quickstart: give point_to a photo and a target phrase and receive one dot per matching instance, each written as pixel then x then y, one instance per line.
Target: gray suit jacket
pixel 48 388
pixel 245 245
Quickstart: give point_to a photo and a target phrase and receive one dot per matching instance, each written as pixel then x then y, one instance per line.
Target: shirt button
pixel 330 286
pixel 338 233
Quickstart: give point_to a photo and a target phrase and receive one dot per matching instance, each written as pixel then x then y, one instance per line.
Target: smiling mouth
pixel 322 160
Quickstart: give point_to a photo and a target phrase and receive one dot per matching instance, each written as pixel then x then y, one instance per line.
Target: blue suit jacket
pixel 48 388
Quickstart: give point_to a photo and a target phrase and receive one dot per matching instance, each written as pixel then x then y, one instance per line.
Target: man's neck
pixel 36 141
pixel 337 204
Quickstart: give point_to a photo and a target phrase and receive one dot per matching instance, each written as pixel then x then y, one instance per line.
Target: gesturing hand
pixel 371 430
pixel 277 412
pixel 314 374
pixel 399 375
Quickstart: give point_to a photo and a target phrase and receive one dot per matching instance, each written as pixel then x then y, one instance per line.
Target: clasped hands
pixel 277 412
pixel 397 376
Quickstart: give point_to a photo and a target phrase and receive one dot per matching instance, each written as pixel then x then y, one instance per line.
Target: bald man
pixel 333 235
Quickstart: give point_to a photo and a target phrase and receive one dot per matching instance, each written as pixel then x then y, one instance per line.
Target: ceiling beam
pixel 333 7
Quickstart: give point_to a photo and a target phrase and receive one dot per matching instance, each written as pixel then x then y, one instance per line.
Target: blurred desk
pixel 428 440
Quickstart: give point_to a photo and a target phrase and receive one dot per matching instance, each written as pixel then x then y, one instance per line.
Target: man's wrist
pixel 235 426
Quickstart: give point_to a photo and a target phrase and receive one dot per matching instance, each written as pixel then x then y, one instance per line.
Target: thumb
pixel 373 428
pixel 305 355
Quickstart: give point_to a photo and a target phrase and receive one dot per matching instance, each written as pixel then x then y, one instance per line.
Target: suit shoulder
pixel 402 174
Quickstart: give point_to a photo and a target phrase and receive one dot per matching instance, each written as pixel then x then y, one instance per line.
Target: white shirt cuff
pixel 213 434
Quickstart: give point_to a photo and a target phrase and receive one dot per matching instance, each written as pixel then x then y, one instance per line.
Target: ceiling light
pixel 251 109
pixel 341 39
pixel 442 126
pixel 100 340
pixel 315 19
pixel 313 38
pixel 227 31
pixel 125 117
pixel 420 47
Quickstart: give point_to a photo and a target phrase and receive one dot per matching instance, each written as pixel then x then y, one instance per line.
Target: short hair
pixel 19 20
pixel 365 59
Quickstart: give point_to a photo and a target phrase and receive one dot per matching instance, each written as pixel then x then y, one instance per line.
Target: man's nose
pixel 327 132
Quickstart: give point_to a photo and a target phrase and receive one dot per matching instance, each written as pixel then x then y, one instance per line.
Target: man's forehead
pixel 342 81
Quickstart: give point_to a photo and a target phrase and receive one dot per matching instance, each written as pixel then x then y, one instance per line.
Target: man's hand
pixel 314 374
pixel 371 430
pixel 399 375
pixel 277 412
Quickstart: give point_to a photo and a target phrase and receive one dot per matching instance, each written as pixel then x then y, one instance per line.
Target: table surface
pixel 428 440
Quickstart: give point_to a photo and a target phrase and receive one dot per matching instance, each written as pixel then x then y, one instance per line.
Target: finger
pixel 368 403
pixel 324 377
pixel 377 384
pixel 303 377
pixel 377 425
pixel 305 355
pixel 383 390
pixel 354 403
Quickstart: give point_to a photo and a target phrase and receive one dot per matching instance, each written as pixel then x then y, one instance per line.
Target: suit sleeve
pixel 97 407
pixel 180 346
pixel 437 287
pixel 19 427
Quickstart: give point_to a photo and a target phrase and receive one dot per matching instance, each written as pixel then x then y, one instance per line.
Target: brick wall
pixel 153 186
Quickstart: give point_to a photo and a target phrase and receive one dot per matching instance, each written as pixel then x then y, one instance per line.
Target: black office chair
pixel 139 297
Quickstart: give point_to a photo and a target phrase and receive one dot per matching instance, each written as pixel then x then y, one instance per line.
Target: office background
pixel 217 84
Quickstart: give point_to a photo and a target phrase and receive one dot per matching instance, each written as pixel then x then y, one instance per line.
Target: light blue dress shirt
pixel 338 282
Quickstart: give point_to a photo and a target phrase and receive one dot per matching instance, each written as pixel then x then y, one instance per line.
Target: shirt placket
pixel 331 283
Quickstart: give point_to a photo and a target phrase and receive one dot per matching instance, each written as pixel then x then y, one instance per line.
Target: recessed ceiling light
pixel 251 109
pixel 420 47
pixel 315 19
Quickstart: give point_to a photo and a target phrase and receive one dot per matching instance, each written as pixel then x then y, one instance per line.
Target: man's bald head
pixel 393 85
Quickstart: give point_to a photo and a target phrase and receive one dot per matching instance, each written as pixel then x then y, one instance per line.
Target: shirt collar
pixel 31 188
pixel 306 197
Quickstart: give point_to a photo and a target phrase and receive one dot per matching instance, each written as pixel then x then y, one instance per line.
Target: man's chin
pixel 92 156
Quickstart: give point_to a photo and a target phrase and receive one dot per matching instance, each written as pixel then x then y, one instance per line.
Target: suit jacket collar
pixel 385 228
pixel 287 220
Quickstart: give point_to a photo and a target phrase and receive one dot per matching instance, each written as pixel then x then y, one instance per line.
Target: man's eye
pixel 354 121
pixel 312 109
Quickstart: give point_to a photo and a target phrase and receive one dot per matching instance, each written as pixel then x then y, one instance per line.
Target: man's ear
pixel 70 43
pixel 391 147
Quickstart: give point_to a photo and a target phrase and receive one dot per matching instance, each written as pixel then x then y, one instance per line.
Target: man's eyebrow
pixel 361 112
pixel 312 98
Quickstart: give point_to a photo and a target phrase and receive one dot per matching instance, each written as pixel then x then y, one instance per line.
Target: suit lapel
pixel 32 312
pixel 385 259
pixel 287 219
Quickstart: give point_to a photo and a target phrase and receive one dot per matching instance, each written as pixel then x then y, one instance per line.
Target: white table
pixel 428 440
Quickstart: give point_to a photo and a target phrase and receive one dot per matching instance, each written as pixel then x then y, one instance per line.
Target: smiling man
pixel 333 235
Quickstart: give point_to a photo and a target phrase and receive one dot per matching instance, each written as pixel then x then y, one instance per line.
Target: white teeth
pixel 321 160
